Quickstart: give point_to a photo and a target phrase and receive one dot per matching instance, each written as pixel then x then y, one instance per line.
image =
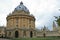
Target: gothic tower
pixel 54 26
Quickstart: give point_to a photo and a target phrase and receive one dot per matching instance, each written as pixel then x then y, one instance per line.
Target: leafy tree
pixel 57 20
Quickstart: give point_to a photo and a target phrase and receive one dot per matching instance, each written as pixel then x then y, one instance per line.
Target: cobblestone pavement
pixel 4 39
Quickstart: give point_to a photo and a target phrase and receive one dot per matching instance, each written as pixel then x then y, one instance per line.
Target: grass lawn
pixel 40 38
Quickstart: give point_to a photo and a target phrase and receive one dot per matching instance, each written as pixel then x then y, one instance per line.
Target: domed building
pixel 20 23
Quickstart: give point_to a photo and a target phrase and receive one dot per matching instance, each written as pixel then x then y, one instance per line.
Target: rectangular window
pixel 30 21
pixel 0 31
pixel 9 33
pixel 16 19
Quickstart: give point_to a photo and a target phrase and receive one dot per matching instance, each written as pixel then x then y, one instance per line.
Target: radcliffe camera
pixel 30 20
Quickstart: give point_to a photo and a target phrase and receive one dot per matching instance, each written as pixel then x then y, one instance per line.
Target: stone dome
pixel 21 7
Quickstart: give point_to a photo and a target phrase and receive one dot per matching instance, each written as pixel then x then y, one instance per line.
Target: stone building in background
pixel 2 31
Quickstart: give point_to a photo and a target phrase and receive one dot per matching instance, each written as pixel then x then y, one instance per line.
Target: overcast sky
pixel 43 10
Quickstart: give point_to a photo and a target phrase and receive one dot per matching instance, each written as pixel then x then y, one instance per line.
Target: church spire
pixel 54 25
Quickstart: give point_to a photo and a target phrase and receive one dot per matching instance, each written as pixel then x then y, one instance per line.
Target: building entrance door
pixel 16 34
pixel 31 34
